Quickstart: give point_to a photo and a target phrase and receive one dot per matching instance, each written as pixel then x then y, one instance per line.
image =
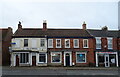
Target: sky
pixel 59 14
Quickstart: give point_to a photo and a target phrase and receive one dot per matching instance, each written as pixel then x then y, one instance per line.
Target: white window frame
pixel 65 43
pixel 60 57
pixel 45 57
pixel 96 38
pixel 87 43
pixel 74 43
pixel 48 43
pixel 110 38
pixel 56 43
pixel 81 53
pixel 25 57
pixel 40 42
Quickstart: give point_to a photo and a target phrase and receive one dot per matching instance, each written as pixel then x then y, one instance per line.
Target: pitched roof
pixel 52 32
pixel 103 33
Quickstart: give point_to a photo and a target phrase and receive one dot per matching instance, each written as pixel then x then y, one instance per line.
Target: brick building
pixel 106 47
pixel 5 41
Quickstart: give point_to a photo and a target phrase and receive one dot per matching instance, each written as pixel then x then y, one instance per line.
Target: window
pixel 50 43
pixel 34 43
pixel 24 57
pixel 76 43
pixel 42 41
pixel 81 57
pixel 109 43
pixel 42 58
pixel 85 43
pixel 98 43
pixel 56 57
pixel 58 43
pixel 25 42
pixel 17 43
pixel 67 43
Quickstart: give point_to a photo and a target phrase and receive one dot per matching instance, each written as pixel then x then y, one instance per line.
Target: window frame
pixel 49 42
pixel 74 43
pixel 24 58
pixel 17 43
pixel 109 38
pixel 56 43
pixel 65 43
pixel 81 53
pixel 60 57
pixel 84 43
pixel 27 42
pixel 98 43
pixel 41 41
pixel 35 40
pixel 45 58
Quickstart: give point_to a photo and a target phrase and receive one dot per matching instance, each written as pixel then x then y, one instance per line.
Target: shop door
pixel 17 60
pixel 33 60
pixel 67 59
pixel 107 64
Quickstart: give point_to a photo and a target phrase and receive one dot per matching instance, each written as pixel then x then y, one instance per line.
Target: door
pixel 67 59
pixel 17 60
pixel 107 64
pixel 33 60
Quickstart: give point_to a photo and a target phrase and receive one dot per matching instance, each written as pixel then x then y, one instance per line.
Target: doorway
pixel 33 60
pixel 67 57
pixel 17 60
pixel 107 64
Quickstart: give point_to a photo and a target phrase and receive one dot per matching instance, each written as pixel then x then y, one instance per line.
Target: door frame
pixel 106 56
pixel 70 53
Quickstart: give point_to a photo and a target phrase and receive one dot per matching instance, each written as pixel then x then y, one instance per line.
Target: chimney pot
pixel 84 25
pixel 19 25
pixel 44 25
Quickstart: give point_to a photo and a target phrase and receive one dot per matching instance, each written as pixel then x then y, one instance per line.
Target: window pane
pixel 25 42
pixel 58 43
pixel 24 57
pixel 42 42
pixel 67 42
pixel 42 58
pixel 55 57
pixel 80 57
pixel 85 43
pixel 50 41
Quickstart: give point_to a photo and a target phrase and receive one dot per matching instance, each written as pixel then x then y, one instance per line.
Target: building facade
pixel 106 47
pixel 64 47
pixel 5 40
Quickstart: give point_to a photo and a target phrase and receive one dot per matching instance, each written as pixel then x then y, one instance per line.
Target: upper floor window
pixel 42 42
pixel 50 43
pixel 67 43
pixel 98 43
pixel 76 43
pixel 110 43
pixel 25 42
pixel 85 43
pixel 58 43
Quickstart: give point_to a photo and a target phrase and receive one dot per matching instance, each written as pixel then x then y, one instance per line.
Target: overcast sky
pixel 59 14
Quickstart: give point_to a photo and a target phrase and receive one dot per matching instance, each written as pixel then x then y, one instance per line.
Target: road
pixel 59 71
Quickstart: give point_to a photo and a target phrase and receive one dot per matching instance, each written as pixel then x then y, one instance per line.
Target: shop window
pixel 101 58
pixel 24 57
pixel 42 58
pixel 81 58
pixel 56 57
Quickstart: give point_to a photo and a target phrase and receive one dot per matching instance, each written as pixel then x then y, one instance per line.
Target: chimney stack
pixel 105 28
pixel 44 25
pixel 84 26
pixel 19 25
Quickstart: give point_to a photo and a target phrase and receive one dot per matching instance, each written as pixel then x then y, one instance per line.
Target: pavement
pixel 111 71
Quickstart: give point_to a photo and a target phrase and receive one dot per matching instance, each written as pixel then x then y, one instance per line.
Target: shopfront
pixel 106 59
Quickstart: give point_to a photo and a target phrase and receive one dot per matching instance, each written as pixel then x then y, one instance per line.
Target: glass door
pixel 107 64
